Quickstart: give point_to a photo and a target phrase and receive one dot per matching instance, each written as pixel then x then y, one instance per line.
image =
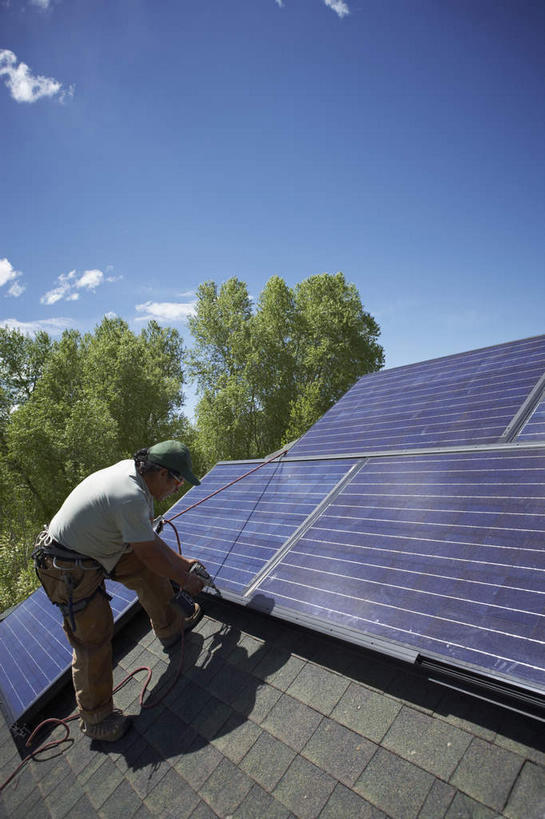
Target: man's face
pixel 166 484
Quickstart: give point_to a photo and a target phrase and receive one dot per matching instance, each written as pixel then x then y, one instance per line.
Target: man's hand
pixel 193 585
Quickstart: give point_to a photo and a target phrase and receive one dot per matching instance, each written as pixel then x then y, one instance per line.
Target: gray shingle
pixel 236 737
pixel 258 804
pixel 226 788
pixel 100 786
pixel 427 742
pixel 172 795
pixel 247 653
pixel 267 761
pixel 210 719
pixel 463 807
pixel 292 722
pixel 487 773
pixel 279 668
pixel 257 703
pixel 318 687
pixel 527 800
pixel 339 751
pixel 124 802
pixel 345 804
pixel 397 787
pixel 366 712
pixel 203 811
pixel 304 788
pixel 437 801
pixel 198 762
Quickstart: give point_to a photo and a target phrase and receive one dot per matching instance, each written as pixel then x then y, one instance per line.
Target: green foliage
pixel 266 375
pixel 68 408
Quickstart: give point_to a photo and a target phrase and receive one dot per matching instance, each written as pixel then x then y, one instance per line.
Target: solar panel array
pixel 34 652
pixel 445 553
pixel 435 550
pixel 463 399
pixel 239 530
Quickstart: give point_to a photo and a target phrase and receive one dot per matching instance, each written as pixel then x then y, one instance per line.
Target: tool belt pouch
pixel 69 579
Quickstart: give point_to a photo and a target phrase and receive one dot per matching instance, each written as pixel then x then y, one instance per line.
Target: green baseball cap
pixel 174 456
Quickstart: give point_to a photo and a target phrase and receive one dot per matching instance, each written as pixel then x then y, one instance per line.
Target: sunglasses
pixel 179 480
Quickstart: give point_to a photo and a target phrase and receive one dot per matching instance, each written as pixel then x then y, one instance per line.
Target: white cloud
pixel 9 274
pixel 90 279
pixel 16 290
pixel 165 310
pixel 69 284
pixel 54 326
pixel 339 6
pixel 24 86
pixel 42 4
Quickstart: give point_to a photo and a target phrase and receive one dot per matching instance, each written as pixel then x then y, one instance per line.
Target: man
pixel 104 528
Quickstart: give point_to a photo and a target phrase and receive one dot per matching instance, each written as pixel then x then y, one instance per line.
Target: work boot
pixel 110 729
pixel 189 623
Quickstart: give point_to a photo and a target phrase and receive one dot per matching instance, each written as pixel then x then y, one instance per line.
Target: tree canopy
pixel 266 374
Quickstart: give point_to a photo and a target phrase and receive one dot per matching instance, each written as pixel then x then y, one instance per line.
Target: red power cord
pixel 53 720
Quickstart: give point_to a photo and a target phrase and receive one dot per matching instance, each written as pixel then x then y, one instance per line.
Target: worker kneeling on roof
pixel 105 528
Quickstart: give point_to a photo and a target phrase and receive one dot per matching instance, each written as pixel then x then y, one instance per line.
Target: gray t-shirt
pixel 107 511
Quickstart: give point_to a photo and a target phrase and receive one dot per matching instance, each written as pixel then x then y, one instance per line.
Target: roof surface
pixel 272 720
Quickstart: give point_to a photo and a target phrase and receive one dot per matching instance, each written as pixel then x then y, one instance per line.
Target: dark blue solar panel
pixel 534 429
pixel 468 398
pixel 239 530
pixel 444 553
pixel 34 652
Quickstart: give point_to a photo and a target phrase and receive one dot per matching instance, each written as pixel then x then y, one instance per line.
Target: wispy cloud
pixel 42 4
pixel 9 274
pixel 24 86
pixel 165 310
pixel 338 6
pixel 70 285
pixel 53 326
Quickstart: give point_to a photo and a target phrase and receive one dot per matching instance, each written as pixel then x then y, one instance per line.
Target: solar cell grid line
pixel 468 398
pixel 34 653
pixel 236 532
pixel 433 572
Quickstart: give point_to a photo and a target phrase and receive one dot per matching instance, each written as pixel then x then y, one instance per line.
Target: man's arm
pixel 157 556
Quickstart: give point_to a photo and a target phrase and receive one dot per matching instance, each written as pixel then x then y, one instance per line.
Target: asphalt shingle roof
pixel 272 720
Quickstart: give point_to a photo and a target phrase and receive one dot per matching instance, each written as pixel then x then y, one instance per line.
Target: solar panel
pixel 442 553
pixel 468 398
pixel 239 530
pixel 34 653
pixel 534 429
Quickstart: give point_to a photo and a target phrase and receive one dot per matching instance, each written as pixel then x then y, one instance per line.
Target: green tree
pixel 100 398
pixel 22 360
pixel 68 408
pixel 335 344
pixel 266 375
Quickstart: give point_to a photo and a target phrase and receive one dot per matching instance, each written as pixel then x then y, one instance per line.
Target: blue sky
pixel 146 147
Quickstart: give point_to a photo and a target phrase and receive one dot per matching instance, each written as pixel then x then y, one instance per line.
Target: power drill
pixel 183 599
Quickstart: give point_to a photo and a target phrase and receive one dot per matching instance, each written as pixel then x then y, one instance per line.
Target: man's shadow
pixel 216 694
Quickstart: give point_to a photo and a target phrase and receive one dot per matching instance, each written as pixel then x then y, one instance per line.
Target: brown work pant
pixel 91 640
